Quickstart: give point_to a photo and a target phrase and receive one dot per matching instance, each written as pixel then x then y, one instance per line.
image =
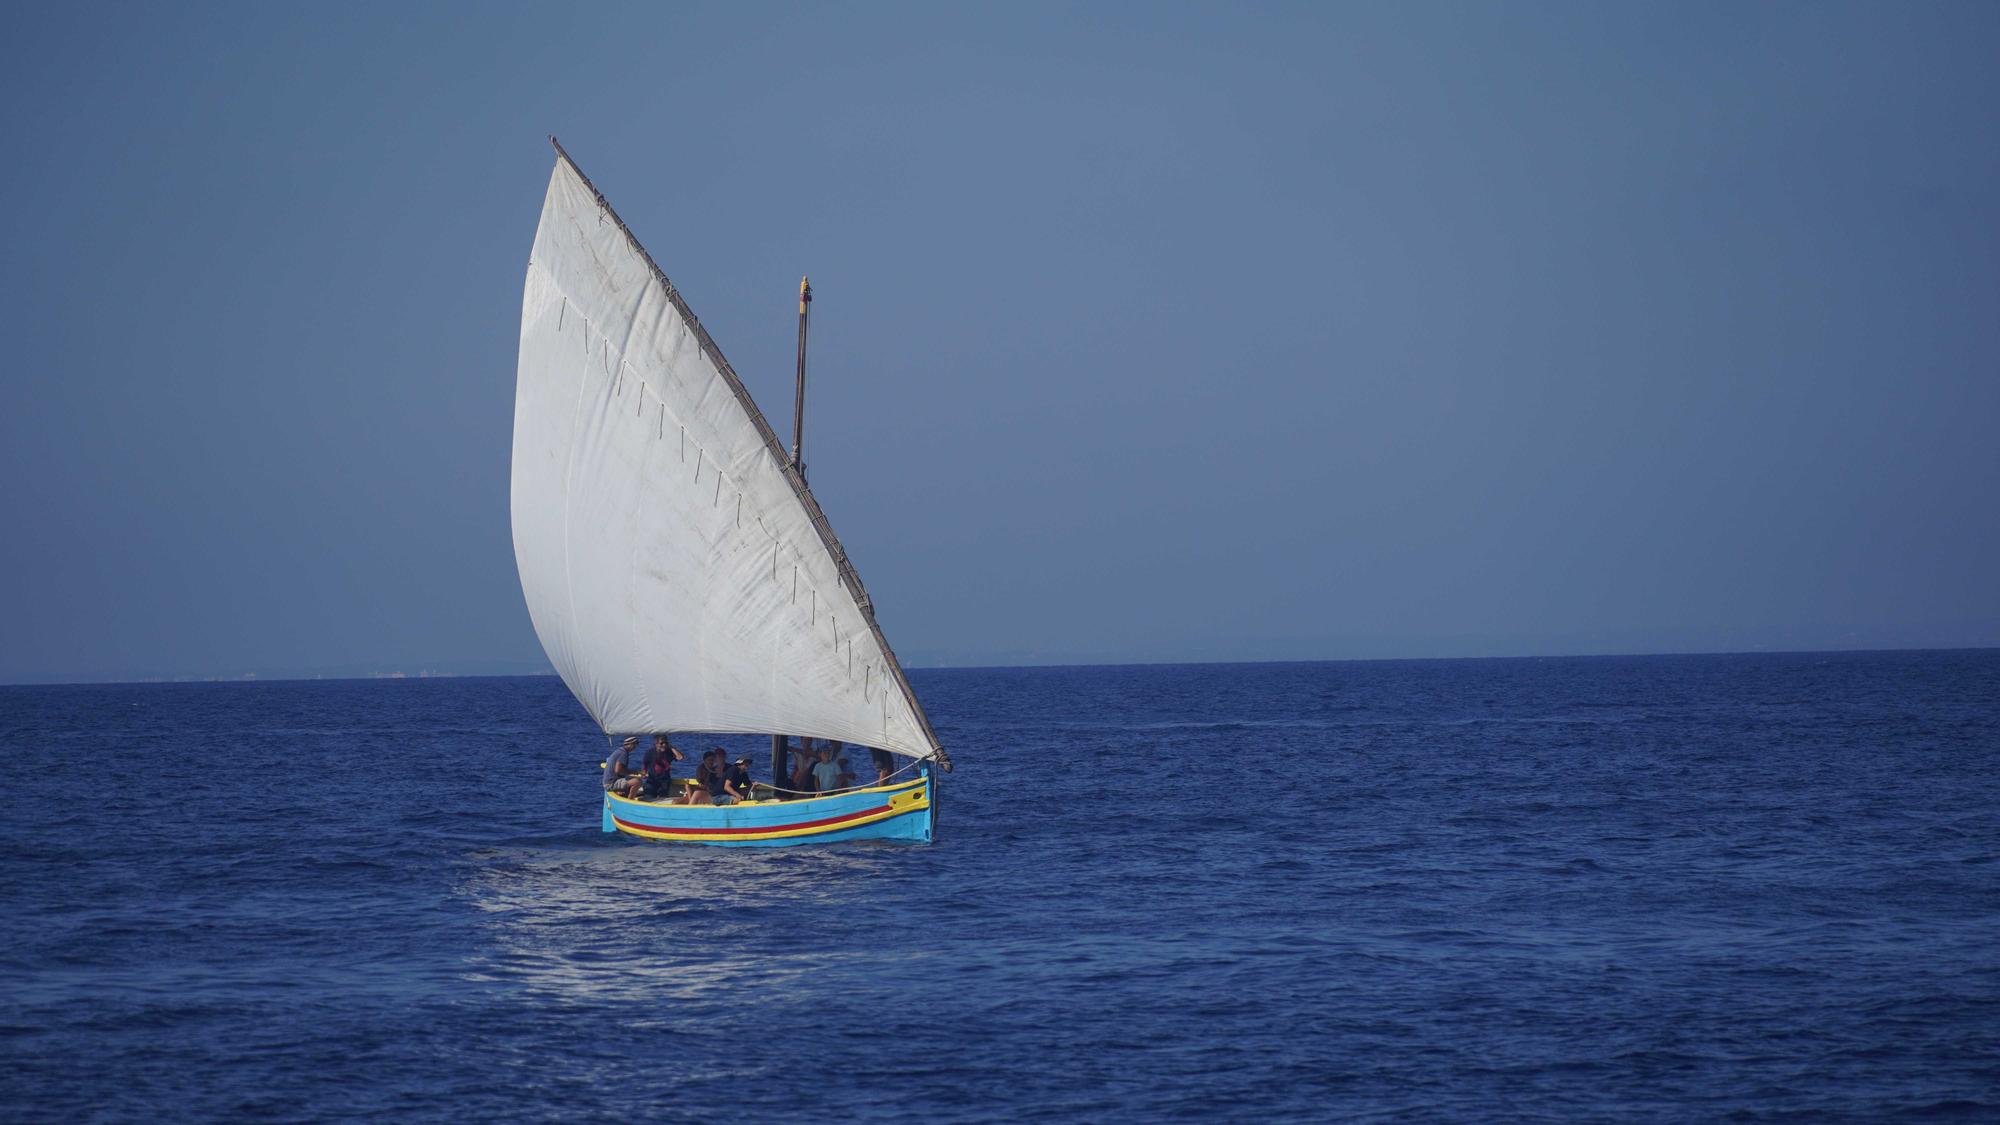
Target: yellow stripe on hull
pixel 835 814
pixel 896 808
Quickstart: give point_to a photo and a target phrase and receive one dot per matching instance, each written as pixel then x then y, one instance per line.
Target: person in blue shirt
pixel 619 776
pixel 826 775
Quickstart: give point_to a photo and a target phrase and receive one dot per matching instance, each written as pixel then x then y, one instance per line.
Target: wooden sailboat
pixel 678 570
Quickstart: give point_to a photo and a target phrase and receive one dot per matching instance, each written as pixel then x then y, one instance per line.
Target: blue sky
pixel 1142 333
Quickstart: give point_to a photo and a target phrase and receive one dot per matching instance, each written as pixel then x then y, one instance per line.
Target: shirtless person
pixel 802 765
pixel 701 790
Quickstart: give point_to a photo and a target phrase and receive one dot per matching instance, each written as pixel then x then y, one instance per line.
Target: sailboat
pixel 678 571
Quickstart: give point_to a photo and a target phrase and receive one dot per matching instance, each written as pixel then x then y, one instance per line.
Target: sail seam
pixel 569 482
pixel 800 567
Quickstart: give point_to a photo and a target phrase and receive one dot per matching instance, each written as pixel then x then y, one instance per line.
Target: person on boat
pixel 885 765
pixel 736 783
pixel 660 768
pixel 718 778
pixel 826 775
pixel 619 777
pixel 847 777
pixel 702 790
pixel 802 767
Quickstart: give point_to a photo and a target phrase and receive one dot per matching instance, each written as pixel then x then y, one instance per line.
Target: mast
pixel 799 399
pixel 780 746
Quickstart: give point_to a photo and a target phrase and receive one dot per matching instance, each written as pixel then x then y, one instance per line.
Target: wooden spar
pixel 799 399
pixel 781 767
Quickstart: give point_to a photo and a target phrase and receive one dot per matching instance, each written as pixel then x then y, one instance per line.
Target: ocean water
pixel 1666 888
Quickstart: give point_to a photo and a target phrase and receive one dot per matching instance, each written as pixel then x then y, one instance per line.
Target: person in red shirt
pixel 660 768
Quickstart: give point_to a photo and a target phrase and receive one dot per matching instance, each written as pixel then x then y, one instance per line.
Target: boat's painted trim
pixel 882 811
pixel 808 828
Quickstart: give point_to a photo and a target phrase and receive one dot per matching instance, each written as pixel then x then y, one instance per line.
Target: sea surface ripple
pixel 1658 888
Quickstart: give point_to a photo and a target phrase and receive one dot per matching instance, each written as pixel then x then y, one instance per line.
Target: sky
pixel 1142 332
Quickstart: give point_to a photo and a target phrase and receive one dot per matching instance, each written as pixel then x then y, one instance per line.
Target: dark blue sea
pixel 1658 888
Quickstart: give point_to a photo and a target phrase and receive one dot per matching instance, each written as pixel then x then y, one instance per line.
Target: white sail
pixel 677 570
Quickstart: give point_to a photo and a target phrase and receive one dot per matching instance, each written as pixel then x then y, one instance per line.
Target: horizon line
pixel 391 676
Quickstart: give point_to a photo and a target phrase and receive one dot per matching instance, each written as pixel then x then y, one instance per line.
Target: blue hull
pixel 902 811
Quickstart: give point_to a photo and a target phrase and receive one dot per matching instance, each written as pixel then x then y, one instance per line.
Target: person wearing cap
pixel 736 783
pixel 619 777
pixel 660 768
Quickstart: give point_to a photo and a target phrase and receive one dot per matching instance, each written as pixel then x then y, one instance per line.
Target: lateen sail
pixel 677 570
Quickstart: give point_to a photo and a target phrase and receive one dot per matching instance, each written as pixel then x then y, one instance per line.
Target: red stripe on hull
pixel 751 829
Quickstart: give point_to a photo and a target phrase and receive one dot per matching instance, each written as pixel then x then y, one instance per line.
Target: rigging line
pixel 562 314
